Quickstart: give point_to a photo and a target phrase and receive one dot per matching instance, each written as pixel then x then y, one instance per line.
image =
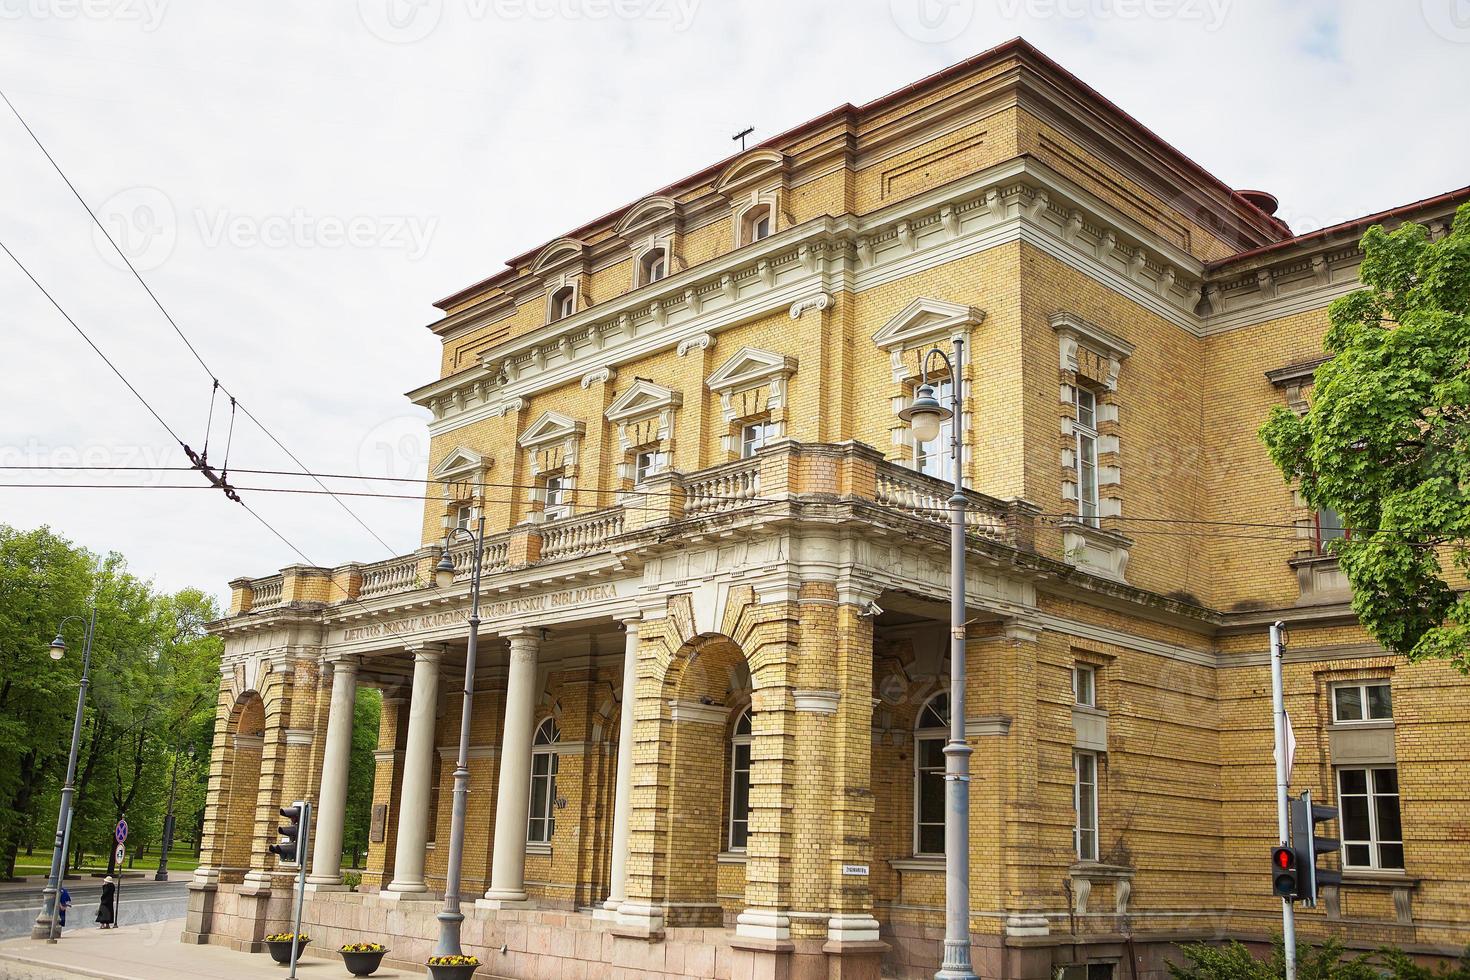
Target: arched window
pixel 755 224
pixel 931 731
pixel 543 783
pixel 563 303
pixel 653 266
pixel 738 825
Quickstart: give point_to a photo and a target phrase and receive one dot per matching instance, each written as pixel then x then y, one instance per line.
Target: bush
pixel 1233 961
pixel 352 879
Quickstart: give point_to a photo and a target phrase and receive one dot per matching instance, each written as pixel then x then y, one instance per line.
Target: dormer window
pixel 563 303
pixel 756 224
pixel 653 266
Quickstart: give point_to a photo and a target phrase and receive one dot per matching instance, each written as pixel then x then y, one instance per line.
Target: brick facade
pixel 806 582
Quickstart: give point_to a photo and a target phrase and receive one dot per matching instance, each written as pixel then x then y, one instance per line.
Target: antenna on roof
pixel 742 134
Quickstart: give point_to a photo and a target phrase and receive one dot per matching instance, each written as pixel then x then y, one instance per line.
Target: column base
pixel 608 910
pixel 763 924
pixel 637 920
pixel 505 900
pixel 859 928
pixel 328 885
pixel 406 892
pixel 855 960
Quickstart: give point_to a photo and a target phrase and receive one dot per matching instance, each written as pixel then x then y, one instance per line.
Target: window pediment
pixel 758 168
pixel 461 462
pixel 559 256
pixel 549 428
pixel 924 321
pixel 652 215
pixel 750 367
pixel 1077 338
pixel 642 400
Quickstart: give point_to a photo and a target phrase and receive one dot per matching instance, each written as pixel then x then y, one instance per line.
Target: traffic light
pixel 1284 874
pixel 289 848
pixel 1309 847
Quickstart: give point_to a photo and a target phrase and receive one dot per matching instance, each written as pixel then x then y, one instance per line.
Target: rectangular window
pixel 542 820
pixel 936 458
pixel 1327 527
pixel 464 517
pixel 1085 971
pixel 1085 453
pixel 1084 685
pixel 1084 798
pixel 648 463
pixel 929 794
pixel 739 795
pixel 755 435
pixel 556 495
pixel 1362 701
pixel 1368 811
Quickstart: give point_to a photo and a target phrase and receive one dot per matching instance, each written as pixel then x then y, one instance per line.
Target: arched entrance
pixel 240 794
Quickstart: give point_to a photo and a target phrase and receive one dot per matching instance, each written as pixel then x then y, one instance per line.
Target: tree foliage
pixel 362 768
pixel 153 680
pixel 1234 961
pixel 1386 441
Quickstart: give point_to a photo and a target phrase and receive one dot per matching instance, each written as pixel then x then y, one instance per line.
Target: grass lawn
pixel 181 859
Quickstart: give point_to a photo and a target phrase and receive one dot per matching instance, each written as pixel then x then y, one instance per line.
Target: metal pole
pixel 168 824
pixel 956 964
pixel 450 917
pixel 42 927
pixel 65 843
pixel 303 848
pixel 1283 778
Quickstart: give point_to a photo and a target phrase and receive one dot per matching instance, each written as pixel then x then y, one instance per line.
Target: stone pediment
pixel 750 367
pixel 551 427
pixel 558 254
pixel 926 320
pixel 758 167
pixel 650 214
pixel 642 400
pixel 460 462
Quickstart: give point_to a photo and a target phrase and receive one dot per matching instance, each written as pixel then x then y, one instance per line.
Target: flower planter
pixel 280 949
pixel 363 964
pixel 464 972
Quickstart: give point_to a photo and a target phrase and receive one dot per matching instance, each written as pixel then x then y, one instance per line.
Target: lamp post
pixel 46 921
pixel 450 917
pixel 924 416
pixel 168 821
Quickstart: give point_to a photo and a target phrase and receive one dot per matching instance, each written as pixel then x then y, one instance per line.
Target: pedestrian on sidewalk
pixel 105 911
pixel 63 903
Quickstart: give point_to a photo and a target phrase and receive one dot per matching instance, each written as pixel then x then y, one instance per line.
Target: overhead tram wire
pixel 215 481
pixel 214 378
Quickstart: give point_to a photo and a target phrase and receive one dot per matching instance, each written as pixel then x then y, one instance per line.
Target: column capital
pixel 343 661
pixel 425 651
pixel 630 621
pixel 524 634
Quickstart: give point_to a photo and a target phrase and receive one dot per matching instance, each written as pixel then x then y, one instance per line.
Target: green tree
pixel 1386 441
pixel 361 771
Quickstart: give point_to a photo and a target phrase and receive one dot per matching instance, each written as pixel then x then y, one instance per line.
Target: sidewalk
pixel 152 952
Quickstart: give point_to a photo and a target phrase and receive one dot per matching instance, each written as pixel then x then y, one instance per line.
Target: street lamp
pixel 450 917
pixel 168 820
pixel 46 921
pixel 924 416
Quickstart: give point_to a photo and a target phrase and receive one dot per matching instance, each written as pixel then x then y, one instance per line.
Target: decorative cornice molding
pixel 817 702
pixel 818 302
pixel 697 713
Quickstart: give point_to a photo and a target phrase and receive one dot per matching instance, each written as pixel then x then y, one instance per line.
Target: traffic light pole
pixel 1283 778
pixel 303 848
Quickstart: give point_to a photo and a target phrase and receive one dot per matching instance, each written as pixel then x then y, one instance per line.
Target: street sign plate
pixel 121 833
pixel 120 854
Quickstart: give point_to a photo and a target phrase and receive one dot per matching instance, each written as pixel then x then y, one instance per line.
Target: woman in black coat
pixel 105 907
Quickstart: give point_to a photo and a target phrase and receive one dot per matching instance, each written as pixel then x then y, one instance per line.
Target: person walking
pixel 106 911
pixel 62 904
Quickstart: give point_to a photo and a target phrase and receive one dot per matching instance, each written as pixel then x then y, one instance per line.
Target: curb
pixel 65 968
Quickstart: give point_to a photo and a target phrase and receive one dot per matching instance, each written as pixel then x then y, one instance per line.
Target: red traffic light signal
pixel 1284 873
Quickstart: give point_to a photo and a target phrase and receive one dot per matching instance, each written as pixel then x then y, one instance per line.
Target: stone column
pixel 513 800
pixel 326 855
pixel 418 759
pixel 623 793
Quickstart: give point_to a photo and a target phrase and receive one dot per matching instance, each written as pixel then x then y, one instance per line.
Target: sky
pixel 299 182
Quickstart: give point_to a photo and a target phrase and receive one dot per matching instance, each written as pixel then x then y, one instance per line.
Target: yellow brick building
pixel 713 666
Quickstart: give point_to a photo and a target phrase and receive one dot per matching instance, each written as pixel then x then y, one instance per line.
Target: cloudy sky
pixel 298 182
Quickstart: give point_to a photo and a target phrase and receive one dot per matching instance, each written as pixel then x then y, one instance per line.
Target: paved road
pixel 143 901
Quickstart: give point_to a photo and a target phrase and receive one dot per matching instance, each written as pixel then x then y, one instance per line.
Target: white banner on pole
pixel 1290 746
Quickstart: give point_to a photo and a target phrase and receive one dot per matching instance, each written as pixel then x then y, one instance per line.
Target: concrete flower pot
pixel 363 964
pixel 453 972
pixel 280 949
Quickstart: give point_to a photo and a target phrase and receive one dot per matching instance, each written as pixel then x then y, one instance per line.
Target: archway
pixel 244 743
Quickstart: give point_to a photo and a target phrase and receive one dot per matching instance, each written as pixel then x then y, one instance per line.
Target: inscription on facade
pixel 499 609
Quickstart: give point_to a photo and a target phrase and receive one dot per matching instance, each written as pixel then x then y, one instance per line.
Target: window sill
pixel 923 863
pixel 1376 724
pixel 731 857
pixel 537 850
pixel 1370 878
